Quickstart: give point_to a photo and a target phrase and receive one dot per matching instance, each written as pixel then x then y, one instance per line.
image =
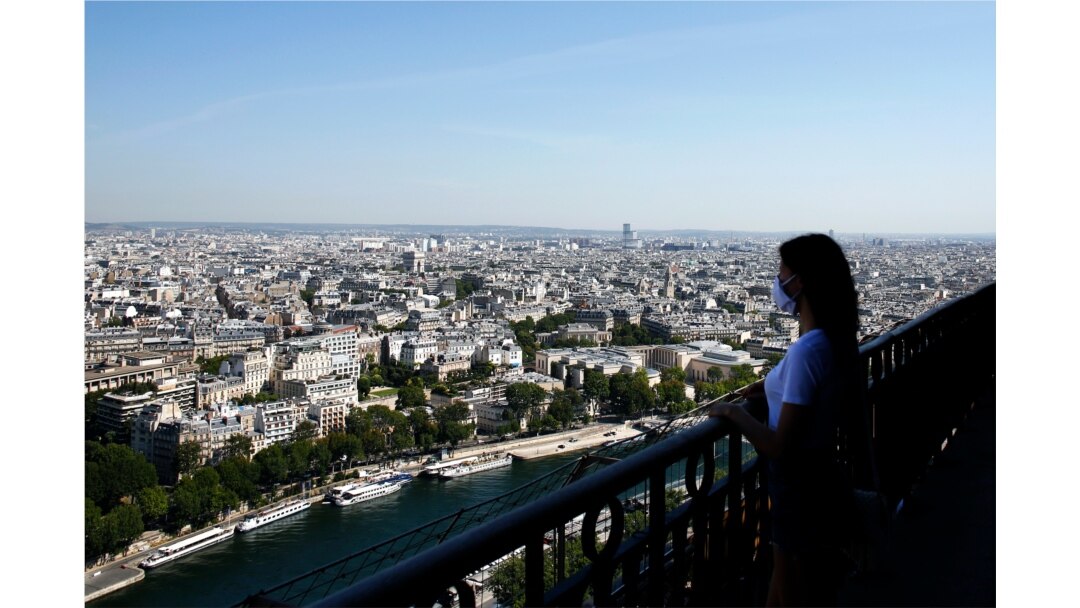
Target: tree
pixel 631 394
pixel 273 465
pixel 308 296
pixel 561 408
pixel 188 458
pixel 212 365
pixel 670 392
pixel 411 395
pixel 113 472
pixel 423 430
pixel 524 397
pixel 238 444
pixel 507 580
pixel 153 501
pixel 321 456
pixel 363 386
pixel 94 543
pixel 715 374
pixel 240 476
pixel 452 427
pixel 199 499
pixel 673 373
pixel 707 391
pixel 596 386
pixel 91 430
pixel 344 445
pixel 125 524
pixel 305 431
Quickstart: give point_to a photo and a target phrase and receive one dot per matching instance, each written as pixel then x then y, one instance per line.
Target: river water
pixel 226 573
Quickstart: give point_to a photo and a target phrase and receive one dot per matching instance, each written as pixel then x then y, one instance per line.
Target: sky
pixel 857 117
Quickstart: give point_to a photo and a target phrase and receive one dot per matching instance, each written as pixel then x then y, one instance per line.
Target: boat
pixel 268 515
pixel 476 465
pixel 188 545
pixel 380 485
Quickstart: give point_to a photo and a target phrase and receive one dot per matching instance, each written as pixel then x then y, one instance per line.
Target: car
pixel 561 446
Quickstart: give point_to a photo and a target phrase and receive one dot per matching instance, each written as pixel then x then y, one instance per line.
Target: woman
pixel 807 392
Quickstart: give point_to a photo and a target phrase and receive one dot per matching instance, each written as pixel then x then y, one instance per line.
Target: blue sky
pixel 858 117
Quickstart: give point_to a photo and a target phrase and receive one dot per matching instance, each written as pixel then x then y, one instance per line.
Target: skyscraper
pixel 630 240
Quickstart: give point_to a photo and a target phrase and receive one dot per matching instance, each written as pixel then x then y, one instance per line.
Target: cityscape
pixel 360 279
pixel 239 341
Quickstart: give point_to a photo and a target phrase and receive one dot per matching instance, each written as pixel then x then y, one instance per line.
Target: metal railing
pixel 921 380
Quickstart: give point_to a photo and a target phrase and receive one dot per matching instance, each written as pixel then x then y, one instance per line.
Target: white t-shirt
pixel 798 379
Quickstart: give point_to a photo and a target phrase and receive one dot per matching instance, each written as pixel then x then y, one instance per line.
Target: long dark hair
pixel 830 294
pixel 827 285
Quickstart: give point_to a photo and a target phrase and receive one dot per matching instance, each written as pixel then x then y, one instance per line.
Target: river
pixel 225 574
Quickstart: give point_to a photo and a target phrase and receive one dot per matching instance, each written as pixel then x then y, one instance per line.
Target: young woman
pixel 807 393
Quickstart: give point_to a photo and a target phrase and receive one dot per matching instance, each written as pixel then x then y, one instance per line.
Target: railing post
pixel 534 570
pixel 657 536
pixel 734 509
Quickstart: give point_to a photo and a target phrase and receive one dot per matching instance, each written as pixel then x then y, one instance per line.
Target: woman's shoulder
pixel 813 340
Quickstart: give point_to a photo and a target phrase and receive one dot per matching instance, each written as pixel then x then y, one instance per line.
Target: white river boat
pixel 187 546
pixel 266 516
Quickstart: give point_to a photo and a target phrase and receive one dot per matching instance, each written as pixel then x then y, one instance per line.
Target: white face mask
pixel 783 301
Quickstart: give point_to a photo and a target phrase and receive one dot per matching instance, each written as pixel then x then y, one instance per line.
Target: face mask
pixel 783 301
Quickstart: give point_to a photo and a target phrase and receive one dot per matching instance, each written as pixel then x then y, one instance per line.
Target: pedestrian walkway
pixel 943 540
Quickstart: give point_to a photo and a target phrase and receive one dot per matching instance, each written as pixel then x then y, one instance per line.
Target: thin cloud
pixel 605 53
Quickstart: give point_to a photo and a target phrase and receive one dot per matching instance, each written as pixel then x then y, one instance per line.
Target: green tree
pixel 200 499
pixel 94 541
pixel 300 455
pixel 153 501
pixel 707 391
pixel 238 444
pixel 561 408
pixel 596 386
pixel 524 397
pixel 363 386
pixel 241 476
pixel 113 472
pixel 452 427
pixel 423 429
pixel 91 430
pixel 212 365
pixel 321 456
pixel 345 445
pixel 411 395
pixel 273 465
pixel 188 458
pixel 306 430
pixel 507 580
pixel 308 296
pixel 125 524
pixel 673 373
pixel 670 392
pixel 631 394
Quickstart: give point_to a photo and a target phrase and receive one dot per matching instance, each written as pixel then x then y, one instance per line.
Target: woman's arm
pixel 769 443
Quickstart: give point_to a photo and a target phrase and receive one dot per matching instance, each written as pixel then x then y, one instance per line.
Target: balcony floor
pixel 943 550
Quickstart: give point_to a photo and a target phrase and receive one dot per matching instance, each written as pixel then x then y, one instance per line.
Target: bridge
pixel 677 517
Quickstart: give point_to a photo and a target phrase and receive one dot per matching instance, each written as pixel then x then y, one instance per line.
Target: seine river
pixel 226 573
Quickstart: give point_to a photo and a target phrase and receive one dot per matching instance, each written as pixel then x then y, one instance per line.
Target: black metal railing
pixel 703 549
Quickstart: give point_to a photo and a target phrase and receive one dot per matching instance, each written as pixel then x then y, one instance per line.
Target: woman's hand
pixel 753 391
pixel 720 410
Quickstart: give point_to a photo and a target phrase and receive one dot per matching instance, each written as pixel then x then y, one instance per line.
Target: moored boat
pixel 476 465
pixel 187 546
pixel 270 515
pixel 383 485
